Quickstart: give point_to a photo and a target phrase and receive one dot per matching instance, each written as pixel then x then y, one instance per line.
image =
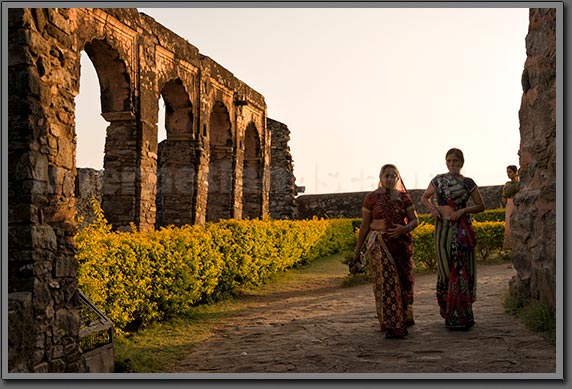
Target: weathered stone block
pixel 43 238
pixel 42 368
pixel 68 321
pixel 66 267
pixel 57 366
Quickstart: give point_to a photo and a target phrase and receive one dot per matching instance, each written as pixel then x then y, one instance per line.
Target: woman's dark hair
pixel 457 152
pixel 399 184
pixel 388 166
pixel 513 168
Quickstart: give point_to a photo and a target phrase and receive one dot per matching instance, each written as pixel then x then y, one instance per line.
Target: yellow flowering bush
pixel 140 277
pixel 490 237
pixel 424 247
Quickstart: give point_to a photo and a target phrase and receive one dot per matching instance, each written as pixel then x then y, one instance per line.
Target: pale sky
pixel 361 87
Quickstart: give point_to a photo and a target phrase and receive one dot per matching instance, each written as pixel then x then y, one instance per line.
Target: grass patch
pixel 159 347
pixel 537 316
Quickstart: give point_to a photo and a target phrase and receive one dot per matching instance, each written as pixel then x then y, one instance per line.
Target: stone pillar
pixel 88 184
pixel 120 170
pixel 43 73
pixel 533 221
pixel 282 201
pixel 177 183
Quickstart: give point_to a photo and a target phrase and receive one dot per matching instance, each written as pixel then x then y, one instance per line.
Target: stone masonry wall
pixel 43 321
pixel 282 180
pixel 534 219
pixel 282 201
pixel 88 184
pixel 137 61
pixel 348 205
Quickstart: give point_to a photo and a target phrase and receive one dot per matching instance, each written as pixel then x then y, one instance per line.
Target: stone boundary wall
pixel 348 205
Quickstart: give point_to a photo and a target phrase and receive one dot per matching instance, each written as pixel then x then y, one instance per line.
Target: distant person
pixel 388 217
pixel 455 240
pixel 509 190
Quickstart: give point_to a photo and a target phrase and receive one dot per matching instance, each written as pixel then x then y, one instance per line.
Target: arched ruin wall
pixel 42 266
pixel 43 71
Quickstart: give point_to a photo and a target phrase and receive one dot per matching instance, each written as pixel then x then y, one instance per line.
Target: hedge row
pixel 140 277
pixel 489 215
pixel 490 236
pixel 489 226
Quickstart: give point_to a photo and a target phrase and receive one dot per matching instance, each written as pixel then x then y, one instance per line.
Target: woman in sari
pixel 388 217
pixel 455 241
pixel 509 190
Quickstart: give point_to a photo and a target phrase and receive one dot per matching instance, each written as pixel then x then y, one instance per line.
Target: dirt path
pixel 325 328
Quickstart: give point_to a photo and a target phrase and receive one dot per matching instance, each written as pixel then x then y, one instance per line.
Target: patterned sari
pixel 455 245
pixel 391 265
pixel 509 190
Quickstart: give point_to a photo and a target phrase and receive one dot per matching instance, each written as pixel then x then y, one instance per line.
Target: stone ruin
pixel 215 162
pixel 282 201
pixel 216 127
pixel 533 221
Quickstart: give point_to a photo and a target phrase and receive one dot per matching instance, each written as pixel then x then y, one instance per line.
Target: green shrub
pixel 490 237
pixel 424 255
pixel 140 277
pixel 489 215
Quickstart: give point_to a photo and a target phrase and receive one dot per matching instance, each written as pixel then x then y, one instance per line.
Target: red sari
pixel 391 262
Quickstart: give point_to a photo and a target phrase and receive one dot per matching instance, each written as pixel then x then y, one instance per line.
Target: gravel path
pixel 325 328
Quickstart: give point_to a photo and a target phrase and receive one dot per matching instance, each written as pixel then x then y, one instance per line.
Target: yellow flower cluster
pixel 140 277
pixel 490 235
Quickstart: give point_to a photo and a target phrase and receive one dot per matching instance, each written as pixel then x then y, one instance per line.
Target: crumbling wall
pixel 533 221
pixel 137 60
pixel 282 181
pixel 42 270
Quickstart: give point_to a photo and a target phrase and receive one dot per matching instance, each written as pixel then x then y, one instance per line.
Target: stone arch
pixel 120 158
pixel 176 163
pixel 252 173
pixel 113 78
pixel 221 164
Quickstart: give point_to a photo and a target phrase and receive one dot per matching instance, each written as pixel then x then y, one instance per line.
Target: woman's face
pixel 388 178
pixel 510 173
pixel 454 164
